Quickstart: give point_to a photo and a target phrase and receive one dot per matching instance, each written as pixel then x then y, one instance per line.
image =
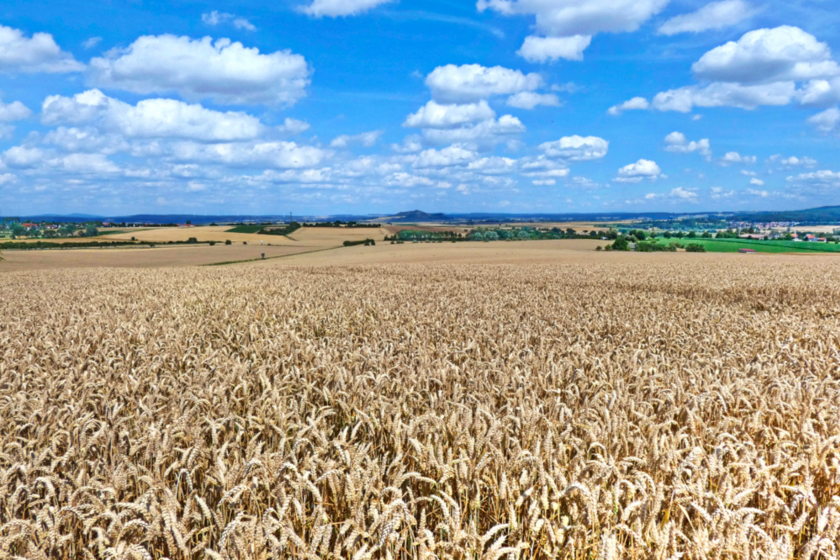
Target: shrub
pixel 212 243
pixel 192 240
pixel 228 242
pixel 599 248
pixel 695 248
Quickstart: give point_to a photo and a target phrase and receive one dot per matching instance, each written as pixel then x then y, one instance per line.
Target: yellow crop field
pixel 590 408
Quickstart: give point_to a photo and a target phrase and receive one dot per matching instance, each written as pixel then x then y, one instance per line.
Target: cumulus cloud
pixel 216 18
pixel 576 148
pixel 446 157
pixel 281 155
pixel 827 121
pixel 529 100
pixel 636 172
pixel 435 115
pixel 757 182
pixel 678 143
pixel 754 192
pixel 39 53
pixel 679 194
pixel 92 42
pixel 768 55
pixel 15 111
pixel 223 71
pixel 544 49
pixel 735 157
pixel 794 161
pixel 573 22
pixel 367 139
pixel 338 8
pixel 293 126
pixel 150 118
pixel 483 134
pixel 716 15
pixel 762 68
pixel 721 94
pixel 718 192
pixel 824 177
pixel 820 93
pixel 635 104
pixel 472 82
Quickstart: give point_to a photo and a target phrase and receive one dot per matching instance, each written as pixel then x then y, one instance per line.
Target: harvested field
pixel 205 233
pixel 141 257
pixel 591 408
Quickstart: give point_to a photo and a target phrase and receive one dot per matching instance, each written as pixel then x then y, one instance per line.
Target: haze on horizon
pixel 371 106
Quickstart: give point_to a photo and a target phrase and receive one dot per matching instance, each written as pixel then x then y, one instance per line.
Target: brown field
pixel 566 404
pixel 162 256
pixel 305 240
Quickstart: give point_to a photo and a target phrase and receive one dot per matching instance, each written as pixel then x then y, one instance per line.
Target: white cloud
pixel 281 155
pixel 367 139
pixel 224 71
pixel 679 194
pixel 635 104
pixel 746 173
pixel 22 157
pixel 38 53
pixel 215 18
pixel 768 55
pixel 635 172
pixel 544 182
pixel 87 164
pixel 472 82
pixel 820 93
pixel 92 42
pixel 410 145
pixel 576 148
pixel 720 94
pixel 542 49
pixel 293 126
pixel 757 182
pixel 827 121
pixel 485 133
pixel 716 15
pixel 434 115
pixel 6 178
pixel 150 118
pixel 15 111
pixel 824 177
pixel 446 157
pixel 719 192
pixel 529 100
pixel 678 143
pixel 735 157
pixel 754 192
pixel 574 22
pixel 337 8
pixel 794 161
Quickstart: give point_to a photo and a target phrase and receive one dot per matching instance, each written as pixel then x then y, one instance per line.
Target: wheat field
pixel 602 409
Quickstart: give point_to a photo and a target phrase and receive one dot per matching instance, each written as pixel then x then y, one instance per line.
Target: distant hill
pixel 416 216
pixel 824 215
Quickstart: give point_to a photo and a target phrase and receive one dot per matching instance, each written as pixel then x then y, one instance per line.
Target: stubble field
pixel 680 406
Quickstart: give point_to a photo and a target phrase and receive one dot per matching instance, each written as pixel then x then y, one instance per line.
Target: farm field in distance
pixel 533 399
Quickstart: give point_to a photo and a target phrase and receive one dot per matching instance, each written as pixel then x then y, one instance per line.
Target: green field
pixel 246 229
pixel 732 245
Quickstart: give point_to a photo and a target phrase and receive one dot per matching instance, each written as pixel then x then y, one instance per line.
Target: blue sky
pixel 367 106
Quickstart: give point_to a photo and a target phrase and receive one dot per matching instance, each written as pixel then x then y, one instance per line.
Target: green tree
pixel 91 231
pixel 621 244
pixel 18 230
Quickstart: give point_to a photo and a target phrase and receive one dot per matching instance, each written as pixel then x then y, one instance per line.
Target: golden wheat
pixel 608 410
